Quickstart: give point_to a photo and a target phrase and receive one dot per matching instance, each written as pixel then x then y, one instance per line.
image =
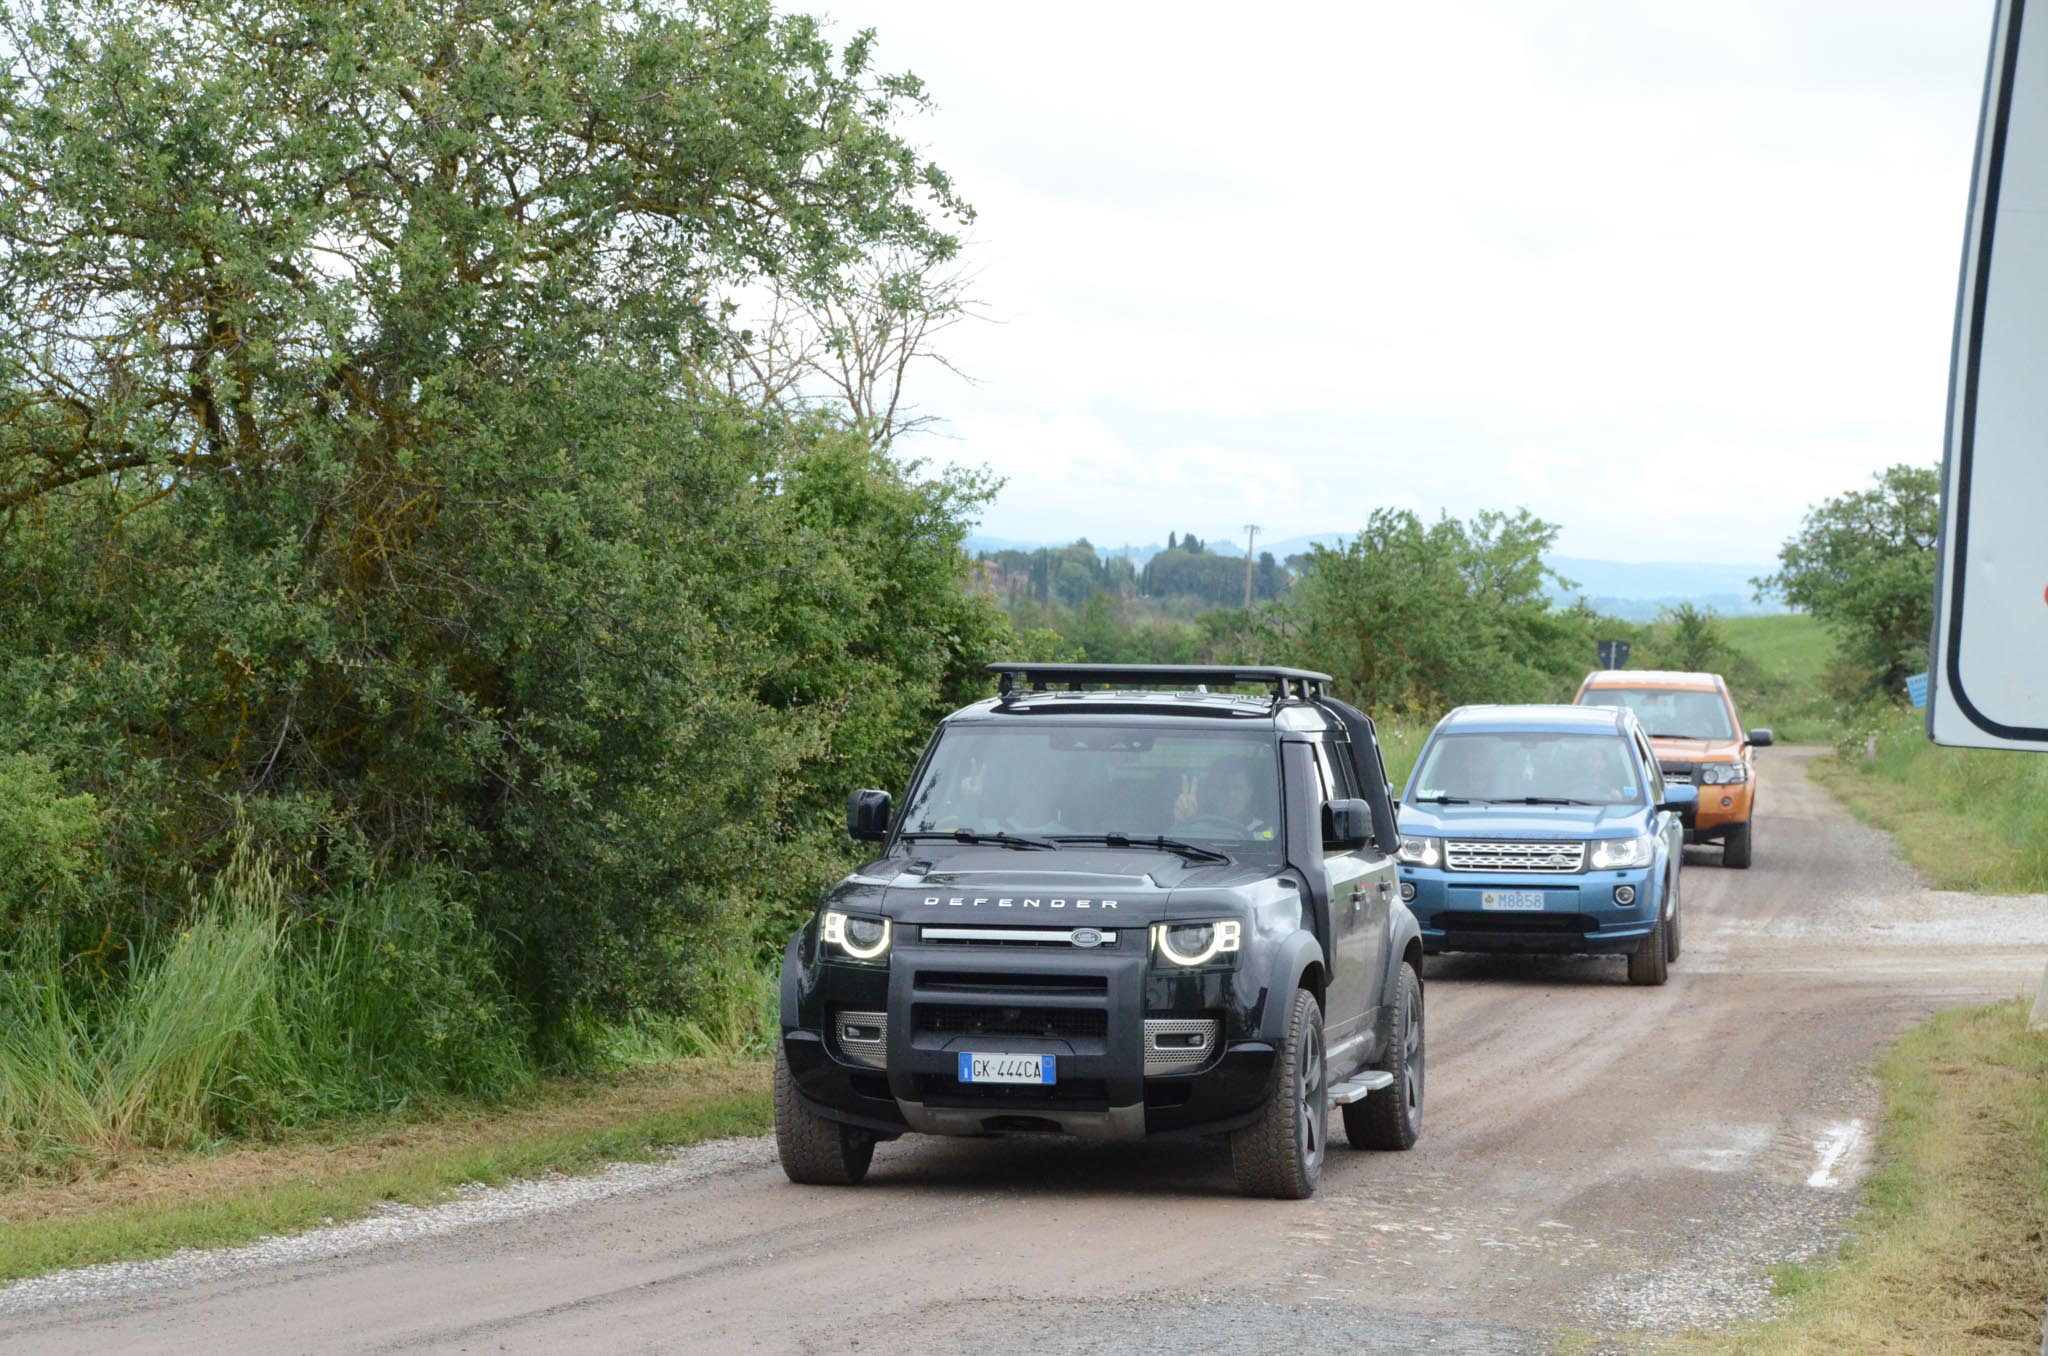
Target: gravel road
pixel 1594 1157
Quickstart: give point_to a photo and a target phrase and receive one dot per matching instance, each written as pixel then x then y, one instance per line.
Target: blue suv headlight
pixel 1615 854
pixel 1421 852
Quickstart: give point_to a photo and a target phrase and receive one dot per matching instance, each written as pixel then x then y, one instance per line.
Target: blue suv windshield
pixel 1591 768
pixel 1052 781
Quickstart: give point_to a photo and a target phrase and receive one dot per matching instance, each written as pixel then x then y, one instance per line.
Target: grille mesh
pixel 873 1053
pixel 1176 1057
pixel 1540 857
pixel 1057 1023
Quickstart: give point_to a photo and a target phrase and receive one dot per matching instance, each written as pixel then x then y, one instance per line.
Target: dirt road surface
pixel 1595 1157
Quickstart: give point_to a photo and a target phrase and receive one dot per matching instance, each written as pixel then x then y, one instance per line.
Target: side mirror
pixel 867 815
pixel 1760 738
pixel 1679 799
pixel 1347 824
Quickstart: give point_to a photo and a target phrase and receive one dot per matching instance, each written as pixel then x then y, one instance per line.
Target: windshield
pixel 1053 781
pixel 1594 768
pixel 1668 712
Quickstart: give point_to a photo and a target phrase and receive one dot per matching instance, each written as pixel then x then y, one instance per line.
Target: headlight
pixel 1611 854
pixel 1196 943
pixel 860 938
pixel 1421 851
pixel 1722 774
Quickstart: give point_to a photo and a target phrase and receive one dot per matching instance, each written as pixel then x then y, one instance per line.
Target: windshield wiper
pixel 1443 800
pixel 1187 850
pixel 970 836
pixel 1543 800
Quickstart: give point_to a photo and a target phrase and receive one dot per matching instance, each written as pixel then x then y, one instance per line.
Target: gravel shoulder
pixel 1595 1158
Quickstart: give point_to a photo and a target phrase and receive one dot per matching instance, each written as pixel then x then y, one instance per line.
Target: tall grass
pixel 162 1059
pixel 246 1020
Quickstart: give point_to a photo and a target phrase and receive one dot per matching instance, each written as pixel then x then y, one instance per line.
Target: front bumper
pixel 1720 808
pixel 1579 915
pixel 1088 1008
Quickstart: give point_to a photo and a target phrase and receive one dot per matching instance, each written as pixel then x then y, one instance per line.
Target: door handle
pixel 1386 887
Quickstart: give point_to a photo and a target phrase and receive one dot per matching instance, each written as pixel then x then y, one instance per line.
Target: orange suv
pixel 1698 741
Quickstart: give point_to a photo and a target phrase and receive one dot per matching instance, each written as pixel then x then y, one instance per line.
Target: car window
pixel 1339 777
pixel 1055 779
pixel 1652 769
pixel 1668 712
pixel 1595 768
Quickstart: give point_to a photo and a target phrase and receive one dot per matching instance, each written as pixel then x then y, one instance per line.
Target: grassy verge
pixel 1778 684
pixel 1949 1252
pixel 1967 819
pixel 148 1206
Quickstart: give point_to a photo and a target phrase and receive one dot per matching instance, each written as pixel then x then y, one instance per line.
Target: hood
pixel 1671 748
pixel 1073 886
pixel 1528 823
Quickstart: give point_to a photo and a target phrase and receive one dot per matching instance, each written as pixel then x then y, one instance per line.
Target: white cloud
pixel 1664 274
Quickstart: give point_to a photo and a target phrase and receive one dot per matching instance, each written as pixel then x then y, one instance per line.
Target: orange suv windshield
pixel 1669 713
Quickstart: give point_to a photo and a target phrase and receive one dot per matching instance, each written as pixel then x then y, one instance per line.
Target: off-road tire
pixel 1650 962
pixel 1281 1153
pixel 1735 847
pixel 816 1151
pixel 1391 1118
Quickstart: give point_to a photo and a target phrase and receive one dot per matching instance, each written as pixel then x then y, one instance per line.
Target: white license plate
pixel 1512 901
pixel 1006 1069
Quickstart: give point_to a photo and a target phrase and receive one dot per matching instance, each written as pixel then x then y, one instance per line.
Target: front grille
pixel 1062 938
pixel 1559 857
pixel 1456 921
pixel 945 1019
pixel 1050 981
pixel 1679 774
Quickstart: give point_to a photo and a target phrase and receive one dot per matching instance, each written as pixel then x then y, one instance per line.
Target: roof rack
pixel 1285 684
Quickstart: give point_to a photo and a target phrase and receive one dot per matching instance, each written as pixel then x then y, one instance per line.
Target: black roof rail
pixel 1285 684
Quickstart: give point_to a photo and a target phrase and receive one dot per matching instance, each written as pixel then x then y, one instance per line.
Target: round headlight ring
pixel 1224 938
pixel 840 932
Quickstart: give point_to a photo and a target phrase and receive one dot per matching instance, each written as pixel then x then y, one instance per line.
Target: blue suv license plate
pixel 1006 1068
pixel 1512 901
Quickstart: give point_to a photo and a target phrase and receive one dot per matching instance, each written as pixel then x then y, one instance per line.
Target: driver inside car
pixel 1221 796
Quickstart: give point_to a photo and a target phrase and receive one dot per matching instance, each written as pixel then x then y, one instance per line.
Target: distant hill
pixel 1630 590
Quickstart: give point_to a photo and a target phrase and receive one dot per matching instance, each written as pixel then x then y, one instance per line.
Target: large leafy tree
pixel 1415 616
pixel 368 482
pixel 1863 562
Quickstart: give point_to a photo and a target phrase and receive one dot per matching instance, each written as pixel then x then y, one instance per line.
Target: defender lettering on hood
pixel 963 902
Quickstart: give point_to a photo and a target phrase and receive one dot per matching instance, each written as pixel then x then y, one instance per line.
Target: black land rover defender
pixel 1116 904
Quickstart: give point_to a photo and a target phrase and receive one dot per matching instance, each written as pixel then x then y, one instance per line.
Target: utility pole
pixel 1251 534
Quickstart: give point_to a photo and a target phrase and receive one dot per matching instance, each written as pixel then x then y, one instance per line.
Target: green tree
pixel 1863 562
pixel 369 483
pixel 1691 641
pixel 1415 617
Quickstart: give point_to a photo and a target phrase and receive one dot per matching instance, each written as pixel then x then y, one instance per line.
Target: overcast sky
pixel 1664 274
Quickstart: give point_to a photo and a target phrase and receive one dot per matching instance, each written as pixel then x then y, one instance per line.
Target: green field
pixel 1778 681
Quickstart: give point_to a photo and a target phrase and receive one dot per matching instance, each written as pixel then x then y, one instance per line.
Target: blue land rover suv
pixel 1544 829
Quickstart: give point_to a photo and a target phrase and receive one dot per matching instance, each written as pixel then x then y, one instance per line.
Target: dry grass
pixel 1949 1253
pixel 150 1204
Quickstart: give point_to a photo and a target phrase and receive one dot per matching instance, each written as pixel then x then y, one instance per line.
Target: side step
pixel 1345 1093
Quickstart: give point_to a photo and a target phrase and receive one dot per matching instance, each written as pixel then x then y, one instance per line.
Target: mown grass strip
pixel 1948 1253
pixel 1966 819
pixel 150 1209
